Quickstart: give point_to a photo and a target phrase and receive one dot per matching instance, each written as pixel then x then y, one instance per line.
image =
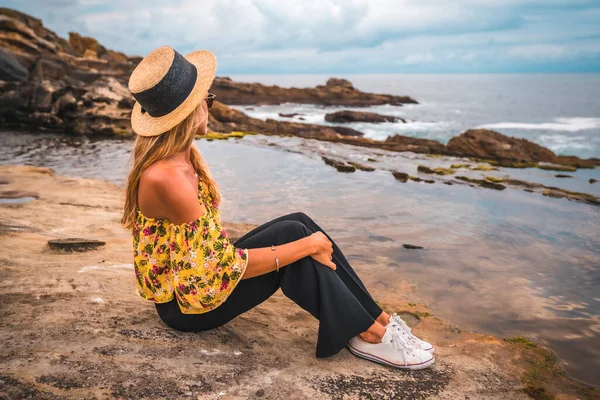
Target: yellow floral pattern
pixel 193 261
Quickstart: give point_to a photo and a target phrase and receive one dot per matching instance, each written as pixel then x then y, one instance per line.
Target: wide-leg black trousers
pixel 338 299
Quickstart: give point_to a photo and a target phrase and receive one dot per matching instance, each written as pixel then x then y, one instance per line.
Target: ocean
pixel 558 111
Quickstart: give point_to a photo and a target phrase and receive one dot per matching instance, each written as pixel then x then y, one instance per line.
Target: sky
pixel 344 36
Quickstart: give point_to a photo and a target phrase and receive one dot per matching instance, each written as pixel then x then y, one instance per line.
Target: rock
pixel 346 131
pixel 417 179
pixel 405 143
pixel 578 162
pixel 483 183
pixel 11 69
pixel 485 143
pixel 334 92
pixel 362 167
pixel 550 167
pixel 401 176
pixel 41 99
pixel 424 169
pixel 437 171
pixel 52 69
pixel 75 244
pixel 82 45
pixel 592 180
pixel 508 151
pixel 562 176
pixel 290 115
pixel 65 104
pixel 412 246
pixel 341 166
pixel 484 167
pixel 358 116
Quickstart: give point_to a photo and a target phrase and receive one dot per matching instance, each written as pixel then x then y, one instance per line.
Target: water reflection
pixel 508 263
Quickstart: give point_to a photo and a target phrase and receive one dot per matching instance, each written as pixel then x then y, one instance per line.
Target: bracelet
pixel 276 258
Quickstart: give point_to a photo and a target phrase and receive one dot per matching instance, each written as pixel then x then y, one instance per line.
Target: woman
pixel 184 261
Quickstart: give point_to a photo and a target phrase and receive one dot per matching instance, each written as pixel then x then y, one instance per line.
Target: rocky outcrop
pixel 487 144
pixel 226 119
pixel 75 86
pixel 334 92
pixel 347 116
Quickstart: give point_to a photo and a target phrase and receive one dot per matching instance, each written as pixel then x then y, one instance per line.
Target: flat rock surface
pixel 72 325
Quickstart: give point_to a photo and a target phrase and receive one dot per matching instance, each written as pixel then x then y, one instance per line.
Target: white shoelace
pixel 402 345
pixel 397 322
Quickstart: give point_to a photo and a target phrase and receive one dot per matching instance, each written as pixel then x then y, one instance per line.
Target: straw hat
pixel 167 87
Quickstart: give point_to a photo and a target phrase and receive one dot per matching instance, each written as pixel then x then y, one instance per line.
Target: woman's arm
pixel 182 206
pixel 261 260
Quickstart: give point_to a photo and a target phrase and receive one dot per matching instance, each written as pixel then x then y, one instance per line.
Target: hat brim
pixel 145 125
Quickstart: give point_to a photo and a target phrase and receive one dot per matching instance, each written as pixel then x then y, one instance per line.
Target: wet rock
pixel 417 179
pixel 458 166
pixel 551 167
pixel 348 116
pixel 341 166
pixel 412 247
pixel 562 176
pixel 401 176
pixel 484 167
pixel 75 244
pixel 553 192
pixel 437 171
pixel 290 115
pixel 483 183
pixel 362 167
pixel 592 180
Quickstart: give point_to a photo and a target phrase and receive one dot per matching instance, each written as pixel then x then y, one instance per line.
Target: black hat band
pixel 171 91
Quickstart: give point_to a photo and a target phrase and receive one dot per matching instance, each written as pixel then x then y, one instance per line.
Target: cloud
pixel 343 35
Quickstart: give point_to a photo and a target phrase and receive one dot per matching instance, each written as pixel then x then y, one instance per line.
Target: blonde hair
pixel 149 149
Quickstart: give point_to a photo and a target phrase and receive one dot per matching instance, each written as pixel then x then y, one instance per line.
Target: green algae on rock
pixel 437 171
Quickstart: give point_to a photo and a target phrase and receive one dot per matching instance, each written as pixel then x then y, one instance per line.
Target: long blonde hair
pixel 149 149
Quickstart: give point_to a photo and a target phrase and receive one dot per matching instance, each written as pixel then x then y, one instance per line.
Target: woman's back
pixel 192 260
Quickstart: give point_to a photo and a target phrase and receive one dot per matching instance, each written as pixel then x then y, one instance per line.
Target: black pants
pixel 338 299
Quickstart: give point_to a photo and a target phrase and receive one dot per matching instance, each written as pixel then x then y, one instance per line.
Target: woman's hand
pixel 323 249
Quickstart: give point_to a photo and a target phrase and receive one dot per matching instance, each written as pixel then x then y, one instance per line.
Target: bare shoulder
pixel 177 196
pixel 162 176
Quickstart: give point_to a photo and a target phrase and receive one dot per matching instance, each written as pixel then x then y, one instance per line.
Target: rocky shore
pixel 79 87
pixel 73 326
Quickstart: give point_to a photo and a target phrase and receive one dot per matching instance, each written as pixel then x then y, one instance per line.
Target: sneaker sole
pixel 380 360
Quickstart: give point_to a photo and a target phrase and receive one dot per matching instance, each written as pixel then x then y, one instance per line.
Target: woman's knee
pixel 292 230
pixel 299 216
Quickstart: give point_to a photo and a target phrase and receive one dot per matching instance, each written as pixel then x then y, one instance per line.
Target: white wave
pixel 559 124
pixel 562 143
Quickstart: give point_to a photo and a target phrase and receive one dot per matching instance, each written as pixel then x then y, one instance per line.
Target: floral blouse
pixel 193 261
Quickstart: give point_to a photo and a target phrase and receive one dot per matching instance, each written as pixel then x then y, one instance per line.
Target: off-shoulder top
pixel 193 261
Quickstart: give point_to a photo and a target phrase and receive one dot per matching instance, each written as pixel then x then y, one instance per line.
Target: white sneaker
pixel 393 351
pixel 399 325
